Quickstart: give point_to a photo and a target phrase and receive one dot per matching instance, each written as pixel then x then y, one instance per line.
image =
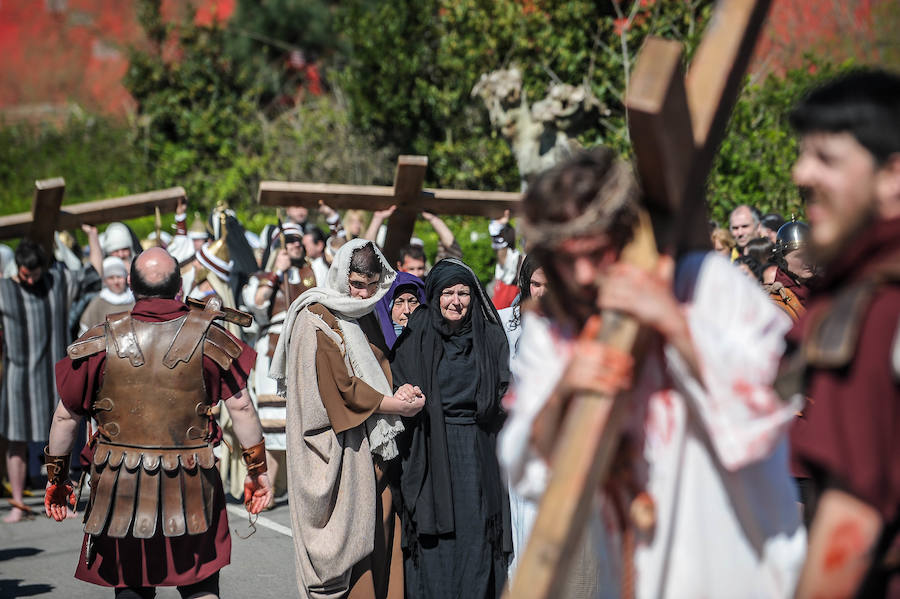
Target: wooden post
pixel 407 194
pixel 676 127
pixel 48 215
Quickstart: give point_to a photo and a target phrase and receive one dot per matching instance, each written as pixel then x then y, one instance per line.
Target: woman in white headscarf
pixel 342 420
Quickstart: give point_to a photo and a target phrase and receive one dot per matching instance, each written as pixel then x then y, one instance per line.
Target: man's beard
pixel 298 262
pixel 37 287
pixel 824 256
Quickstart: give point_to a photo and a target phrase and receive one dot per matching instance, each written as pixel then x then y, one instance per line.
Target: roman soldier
pixel 150 377
pixel 268 295
pixel 789 290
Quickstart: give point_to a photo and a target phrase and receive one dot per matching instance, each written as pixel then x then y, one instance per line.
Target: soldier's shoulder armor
pixel 93 341
pixel 221 347
pixel 834 335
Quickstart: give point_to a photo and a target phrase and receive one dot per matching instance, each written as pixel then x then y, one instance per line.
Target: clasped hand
pixel 412 399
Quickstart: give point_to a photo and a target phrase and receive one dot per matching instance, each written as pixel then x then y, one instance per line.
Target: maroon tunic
pixel 160 560
pixel 798 289
pixel 848 436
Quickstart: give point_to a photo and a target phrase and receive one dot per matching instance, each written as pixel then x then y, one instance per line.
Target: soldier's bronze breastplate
pixel 145 403
pixel 153 467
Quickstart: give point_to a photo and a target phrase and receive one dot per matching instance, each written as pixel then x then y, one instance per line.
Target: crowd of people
pixel 411 412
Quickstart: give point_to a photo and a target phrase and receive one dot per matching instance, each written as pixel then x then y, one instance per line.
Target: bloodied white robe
pixel 714 450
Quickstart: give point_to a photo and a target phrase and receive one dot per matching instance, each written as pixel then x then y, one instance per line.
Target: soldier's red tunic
pixel 848 435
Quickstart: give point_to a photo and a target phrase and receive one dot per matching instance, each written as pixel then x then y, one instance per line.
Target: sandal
pixel 27 512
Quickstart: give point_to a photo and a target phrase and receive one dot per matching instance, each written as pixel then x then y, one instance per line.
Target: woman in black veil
pixel 455 509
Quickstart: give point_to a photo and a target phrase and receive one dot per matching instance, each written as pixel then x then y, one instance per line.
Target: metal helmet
pixel 791 236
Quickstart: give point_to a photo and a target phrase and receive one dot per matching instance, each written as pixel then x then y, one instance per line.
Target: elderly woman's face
pixel 455 302
pixel 403 306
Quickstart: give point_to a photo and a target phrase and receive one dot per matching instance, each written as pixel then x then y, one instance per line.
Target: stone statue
pixel 544 134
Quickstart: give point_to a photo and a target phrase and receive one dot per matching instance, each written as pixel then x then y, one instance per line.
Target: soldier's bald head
pixel 154 273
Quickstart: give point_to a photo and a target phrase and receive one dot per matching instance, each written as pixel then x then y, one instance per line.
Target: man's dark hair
pixel 31 255
pixel 772 221
pixel 762 250
pixel 168 288
pixel 863 102
pixel 755 267
pixel 365 261
pixel 316 233
pixel 416 252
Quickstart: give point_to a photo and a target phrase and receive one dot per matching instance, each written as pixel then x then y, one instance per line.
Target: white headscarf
pixel 335 295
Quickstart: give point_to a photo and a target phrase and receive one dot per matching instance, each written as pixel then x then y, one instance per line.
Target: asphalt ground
pixel 38 556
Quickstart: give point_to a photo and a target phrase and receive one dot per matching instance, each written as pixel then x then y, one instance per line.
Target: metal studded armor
pixel 153 463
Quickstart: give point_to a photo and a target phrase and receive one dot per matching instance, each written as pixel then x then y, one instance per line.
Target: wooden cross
pixel 48 214
pixel 676 126
pixel 406 193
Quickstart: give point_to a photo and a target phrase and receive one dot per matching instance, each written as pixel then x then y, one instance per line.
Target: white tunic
pixel 727 518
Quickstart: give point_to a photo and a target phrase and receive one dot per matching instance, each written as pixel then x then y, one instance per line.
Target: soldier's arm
pixel 63 430
pixel 60 490
pixel 842 538
pixel 247 428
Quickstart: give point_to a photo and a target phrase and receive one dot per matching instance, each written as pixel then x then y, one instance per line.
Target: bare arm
pixel 247 427
pixel 248 430
pixel 96 252
pixel 842 537
pixel 445 235
pixel 63 431
pixel 378 217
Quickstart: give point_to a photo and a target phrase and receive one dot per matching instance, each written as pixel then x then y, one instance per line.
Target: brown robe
pixel 349 402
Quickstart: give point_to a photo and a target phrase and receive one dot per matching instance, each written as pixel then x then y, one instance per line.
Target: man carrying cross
pixel 699 501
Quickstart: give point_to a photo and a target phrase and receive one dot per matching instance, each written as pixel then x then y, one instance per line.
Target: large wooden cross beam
pixel 676 125
pixel 407 194
pixel 48 214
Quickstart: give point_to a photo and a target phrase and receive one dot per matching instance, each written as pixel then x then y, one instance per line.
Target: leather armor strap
pixel 93 341
pixel 57 467
pixel 189 336
pixel 255 458
pixel 124 338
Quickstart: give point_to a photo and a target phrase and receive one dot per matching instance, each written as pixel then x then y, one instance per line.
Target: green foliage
pixel 316 141
pixel 411 68
pixel 754 162
pixel 263 34
pixel 199 121
pixel 400 76
pixel 94 154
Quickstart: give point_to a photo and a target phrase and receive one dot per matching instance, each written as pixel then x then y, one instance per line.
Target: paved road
pixel 38 557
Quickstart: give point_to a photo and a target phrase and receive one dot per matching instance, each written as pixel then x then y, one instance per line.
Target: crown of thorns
pixel 617 191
